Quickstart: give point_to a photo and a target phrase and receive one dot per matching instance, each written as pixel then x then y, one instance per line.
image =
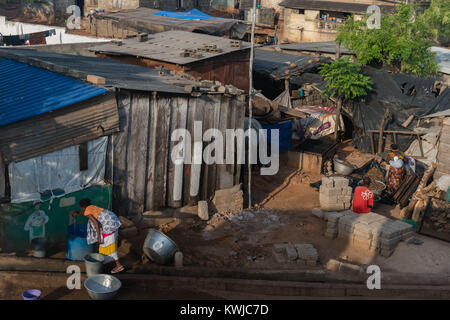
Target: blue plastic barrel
pixel 77 246
pixel 285 134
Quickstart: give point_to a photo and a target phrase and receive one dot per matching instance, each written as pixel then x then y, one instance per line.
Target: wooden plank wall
pixel 143 172
pixel 2 177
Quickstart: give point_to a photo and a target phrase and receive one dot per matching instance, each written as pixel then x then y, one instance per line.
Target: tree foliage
pixel 345 80
pixel 403 41
pixel 437 17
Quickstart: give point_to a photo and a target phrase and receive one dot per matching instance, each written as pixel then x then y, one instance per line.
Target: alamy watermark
pixel 228 149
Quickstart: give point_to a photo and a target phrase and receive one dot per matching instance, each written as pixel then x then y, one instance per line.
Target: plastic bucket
pixel 94 263
pixel 32 294
pixel 77 247
pixel 40 246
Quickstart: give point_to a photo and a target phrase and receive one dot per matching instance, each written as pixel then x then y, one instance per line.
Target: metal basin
pixel 102 286
pixel 158 247
pixel 341 167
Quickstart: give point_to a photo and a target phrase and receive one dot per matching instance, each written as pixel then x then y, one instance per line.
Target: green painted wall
pixel 13 237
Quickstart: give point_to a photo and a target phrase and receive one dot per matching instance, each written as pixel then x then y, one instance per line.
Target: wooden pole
pixel 338 118
pixel 250 99
pixel 387 114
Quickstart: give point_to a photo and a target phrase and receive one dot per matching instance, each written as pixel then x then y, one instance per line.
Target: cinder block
pixel 280 247
pixel 327 182
pixel 291 253
pixel 340 182
pixel 317 212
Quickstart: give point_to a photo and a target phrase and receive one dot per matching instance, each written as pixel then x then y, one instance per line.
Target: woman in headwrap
pixel 103 228
pixel 395 175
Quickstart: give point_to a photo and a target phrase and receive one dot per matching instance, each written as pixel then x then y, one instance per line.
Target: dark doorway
pixel 80 3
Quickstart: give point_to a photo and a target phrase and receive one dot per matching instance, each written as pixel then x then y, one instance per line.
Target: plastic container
pixel 32 294
pixel 94 263
pixel 285 135
pixel 39 246
pixel 77 247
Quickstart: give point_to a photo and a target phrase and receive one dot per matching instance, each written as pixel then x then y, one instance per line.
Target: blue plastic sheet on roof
pixel 192 14
pixel 27 91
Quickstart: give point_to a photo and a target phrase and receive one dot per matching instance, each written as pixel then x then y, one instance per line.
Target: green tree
pixel 344 81
pixel 437 17
pixel 403 41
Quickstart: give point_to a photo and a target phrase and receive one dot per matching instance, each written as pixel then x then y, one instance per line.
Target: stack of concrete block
pixel 332 224
pixel 304 254
pixel 307 254
pixel 372 231
pixel 335 194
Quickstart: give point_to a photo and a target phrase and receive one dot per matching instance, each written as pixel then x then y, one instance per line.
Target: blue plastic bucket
pixel 77 246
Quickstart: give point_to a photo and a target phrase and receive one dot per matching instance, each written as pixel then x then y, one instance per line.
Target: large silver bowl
pixel 159 247
pixel 102 286
pixel 341 167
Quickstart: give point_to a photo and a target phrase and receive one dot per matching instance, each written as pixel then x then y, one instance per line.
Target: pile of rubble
pixel 300 253
pixel 335 194
pixel 370 231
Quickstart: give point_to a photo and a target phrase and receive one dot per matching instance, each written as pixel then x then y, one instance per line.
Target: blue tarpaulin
pixel 192 14
pixel 27 91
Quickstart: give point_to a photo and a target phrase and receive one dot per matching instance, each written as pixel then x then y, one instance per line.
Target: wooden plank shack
pixel 145 177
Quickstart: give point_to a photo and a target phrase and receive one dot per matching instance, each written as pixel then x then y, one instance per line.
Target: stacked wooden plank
pixel 406 190
pixel 443 159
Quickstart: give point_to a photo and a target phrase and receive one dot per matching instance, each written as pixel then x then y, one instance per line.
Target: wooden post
pixel 338 50
pixel 387 114
pixel 338 118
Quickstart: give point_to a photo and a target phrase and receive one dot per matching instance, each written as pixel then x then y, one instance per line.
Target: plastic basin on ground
pixel 77 246
pixel 102 286
pixel 32 294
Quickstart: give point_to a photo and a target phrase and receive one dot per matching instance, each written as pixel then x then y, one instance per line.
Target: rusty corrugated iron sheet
pixel 59 129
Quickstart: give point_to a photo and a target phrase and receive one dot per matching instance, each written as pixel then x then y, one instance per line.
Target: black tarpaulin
pixel 403 95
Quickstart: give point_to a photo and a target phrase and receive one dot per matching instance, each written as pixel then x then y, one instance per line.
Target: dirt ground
pixel 282 214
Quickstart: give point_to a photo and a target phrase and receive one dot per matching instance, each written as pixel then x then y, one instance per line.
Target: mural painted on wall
pixel 36 222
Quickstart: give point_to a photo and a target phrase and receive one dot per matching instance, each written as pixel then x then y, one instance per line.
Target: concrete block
pixel 178 259
pixel 203 210
pixel 340 182
pixel 327 182
pixel 291 253
pixel 317 212
pixel 327 214
pixel 280 247
pixel 311 263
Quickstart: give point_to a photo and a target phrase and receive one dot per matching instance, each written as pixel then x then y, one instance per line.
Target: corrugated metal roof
pixel 323 47
pixel 168 46
pixel 144 20
pixel 283 65
pixel 442 58
pixel 117 74
pixel 337 6
pixel 27 91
